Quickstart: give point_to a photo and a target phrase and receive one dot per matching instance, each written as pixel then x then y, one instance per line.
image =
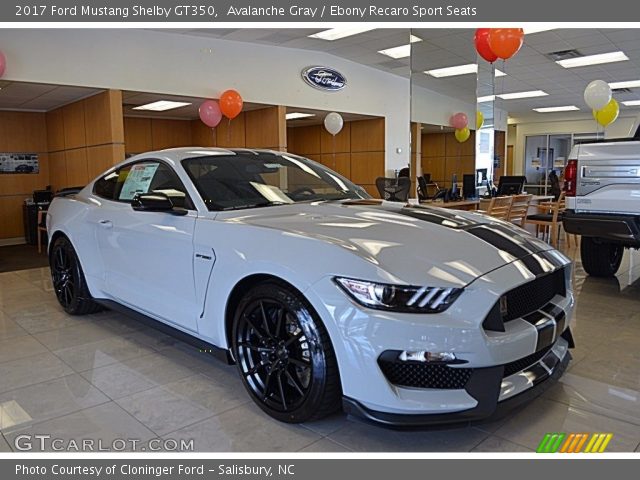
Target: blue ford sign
pixel 324 78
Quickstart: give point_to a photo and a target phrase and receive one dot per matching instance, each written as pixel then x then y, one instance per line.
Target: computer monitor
pixel 481 176
pixel 469 186
pixel 42 196
pixel 511 185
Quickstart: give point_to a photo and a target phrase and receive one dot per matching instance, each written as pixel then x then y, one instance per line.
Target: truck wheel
pixel 600 259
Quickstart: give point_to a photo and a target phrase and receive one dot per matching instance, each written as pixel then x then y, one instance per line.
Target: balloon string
pixel 229 133
pixel 334 151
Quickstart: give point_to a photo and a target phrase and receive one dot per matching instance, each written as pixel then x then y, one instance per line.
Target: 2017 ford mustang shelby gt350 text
pixel 322 296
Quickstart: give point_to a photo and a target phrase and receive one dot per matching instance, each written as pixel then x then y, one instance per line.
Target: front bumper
pixel 623 229
pixel 488 387
pixel 360 336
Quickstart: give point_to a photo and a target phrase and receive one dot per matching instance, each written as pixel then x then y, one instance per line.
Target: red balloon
pixel 230 104
pixel 481 41
pixel 3 63
pixel 505 42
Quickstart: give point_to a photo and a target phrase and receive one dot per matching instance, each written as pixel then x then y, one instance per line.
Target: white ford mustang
pixel 322 296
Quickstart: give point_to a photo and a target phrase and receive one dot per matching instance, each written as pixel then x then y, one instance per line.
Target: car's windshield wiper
pixel 254 205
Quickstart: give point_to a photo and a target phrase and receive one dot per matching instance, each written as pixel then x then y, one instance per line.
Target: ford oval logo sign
pixel 324 78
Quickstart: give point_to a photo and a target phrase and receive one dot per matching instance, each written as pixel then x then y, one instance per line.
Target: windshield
pixel 249 179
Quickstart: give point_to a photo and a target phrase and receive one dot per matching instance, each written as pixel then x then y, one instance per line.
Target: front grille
pixel 519 365
pixel 421 375
pixel 440 376
pixel 534 295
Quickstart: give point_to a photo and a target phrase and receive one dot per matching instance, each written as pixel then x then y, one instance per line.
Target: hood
pixel 412 243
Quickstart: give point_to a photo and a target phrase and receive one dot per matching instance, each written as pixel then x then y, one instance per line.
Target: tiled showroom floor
pixel 105 376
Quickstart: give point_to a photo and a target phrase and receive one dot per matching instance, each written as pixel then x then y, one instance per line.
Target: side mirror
pixel 155 202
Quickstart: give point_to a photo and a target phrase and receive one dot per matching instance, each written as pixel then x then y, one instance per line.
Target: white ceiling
pixel 528 70
pixel 39 97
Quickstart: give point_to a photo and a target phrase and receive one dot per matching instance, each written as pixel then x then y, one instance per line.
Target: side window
pixel 106 186
pixel 146 177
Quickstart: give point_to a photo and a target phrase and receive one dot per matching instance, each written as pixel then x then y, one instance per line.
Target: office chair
pixel 394 189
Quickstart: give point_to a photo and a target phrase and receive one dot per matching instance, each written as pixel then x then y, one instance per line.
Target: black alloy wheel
pixel 284 355
pixel 68 279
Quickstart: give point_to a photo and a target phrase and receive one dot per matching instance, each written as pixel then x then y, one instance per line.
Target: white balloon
pixel 333 123
pixel 597 94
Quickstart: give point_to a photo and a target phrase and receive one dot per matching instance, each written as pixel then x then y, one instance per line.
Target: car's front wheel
pixel 600 259
pixel 284 354
pixel 68 279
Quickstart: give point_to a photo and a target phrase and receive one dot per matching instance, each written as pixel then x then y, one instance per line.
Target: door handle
pixel 106 223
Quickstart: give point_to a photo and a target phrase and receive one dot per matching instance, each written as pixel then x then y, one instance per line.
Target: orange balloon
pixel 505 42
pixel 230 104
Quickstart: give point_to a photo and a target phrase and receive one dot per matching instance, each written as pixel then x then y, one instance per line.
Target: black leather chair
pixel 394 189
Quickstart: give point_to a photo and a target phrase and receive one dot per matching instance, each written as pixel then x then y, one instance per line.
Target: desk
pixel 457 205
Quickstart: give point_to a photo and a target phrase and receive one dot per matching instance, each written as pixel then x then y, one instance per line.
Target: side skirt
pixel 220 353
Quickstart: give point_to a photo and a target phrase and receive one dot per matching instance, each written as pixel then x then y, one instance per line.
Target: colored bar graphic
pixel 574 443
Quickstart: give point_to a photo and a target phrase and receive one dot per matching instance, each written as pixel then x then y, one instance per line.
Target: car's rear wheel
pixel 284 354
pixel 68 279
pixel 600 259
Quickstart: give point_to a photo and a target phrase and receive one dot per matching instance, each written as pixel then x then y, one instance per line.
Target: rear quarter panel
pixel 70 216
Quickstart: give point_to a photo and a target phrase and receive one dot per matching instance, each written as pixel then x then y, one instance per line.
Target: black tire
pixel 68 279
pixel 600 259
pixel 284 354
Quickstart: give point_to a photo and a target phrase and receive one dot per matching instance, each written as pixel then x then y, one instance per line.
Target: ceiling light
pixel 593 59
pixel 629 84
pixel 488 98
pixel 517 95
pixel 340 32
pixel 631 103
pixel 458 70
pixel 530 30
pixel 566 108
pixel 161 106
pixel 402 51
pixel 296 115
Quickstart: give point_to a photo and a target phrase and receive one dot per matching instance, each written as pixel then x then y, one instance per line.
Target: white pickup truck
pixel 602 183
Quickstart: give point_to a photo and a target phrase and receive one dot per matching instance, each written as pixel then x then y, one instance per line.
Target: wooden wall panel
pixel 55 130
pixel 102 157
pixel 201 135
pixel 443 155
pixel 340 162
pixel 57 170
pixel 359 149
pixel 170 133
pixel 97 131
pixel 231 134
pixel 266 128
pixel 137 135
pixel 433 144
pixel 304 140
pixel 12 225
pixel 74 129
pixel 454 147
pixel 23 132
pixel 342 141
pixel 366 167
pixel 367 135
pixel 116 120
pixel 77 170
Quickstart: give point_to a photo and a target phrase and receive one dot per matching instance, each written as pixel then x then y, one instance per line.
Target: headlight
pixel 399 298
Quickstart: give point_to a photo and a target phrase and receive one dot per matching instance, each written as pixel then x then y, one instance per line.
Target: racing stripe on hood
pixel 499 236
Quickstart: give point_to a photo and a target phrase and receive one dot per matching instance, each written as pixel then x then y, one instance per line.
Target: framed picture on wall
pixel 19 163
